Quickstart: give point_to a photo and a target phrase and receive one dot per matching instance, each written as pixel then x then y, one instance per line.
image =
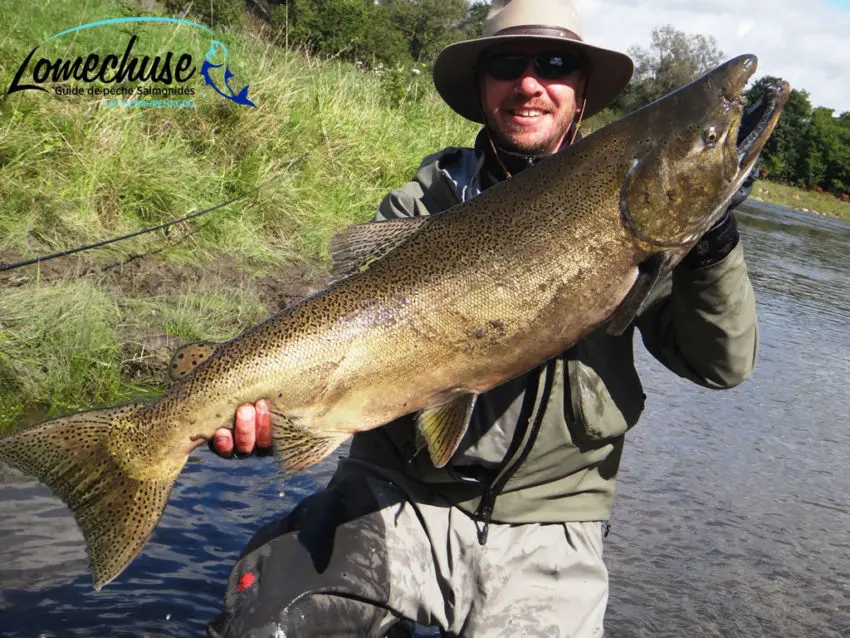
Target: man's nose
pixel 529 85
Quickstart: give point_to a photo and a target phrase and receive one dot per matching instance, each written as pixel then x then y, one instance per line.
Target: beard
pixel 514 140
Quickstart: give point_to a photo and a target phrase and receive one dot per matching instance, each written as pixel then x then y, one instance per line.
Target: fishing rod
pixel 78 249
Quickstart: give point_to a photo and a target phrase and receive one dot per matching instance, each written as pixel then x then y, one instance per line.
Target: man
pixel 506 540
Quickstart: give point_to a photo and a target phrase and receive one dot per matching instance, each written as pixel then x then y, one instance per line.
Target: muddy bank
pixel 147 351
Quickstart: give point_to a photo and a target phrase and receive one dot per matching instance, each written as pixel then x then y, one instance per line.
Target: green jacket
pixel 546 447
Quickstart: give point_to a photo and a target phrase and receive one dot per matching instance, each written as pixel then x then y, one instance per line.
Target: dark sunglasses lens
pixel 553 66
pixel 506 66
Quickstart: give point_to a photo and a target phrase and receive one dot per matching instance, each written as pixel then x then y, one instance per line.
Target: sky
pixel 804 42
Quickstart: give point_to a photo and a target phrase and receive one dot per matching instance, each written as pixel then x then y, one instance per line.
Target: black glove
pixel 723 236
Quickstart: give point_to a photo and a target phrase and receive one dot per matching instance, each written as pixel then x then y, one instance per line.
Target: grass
pixel 97 328
pixel 791 197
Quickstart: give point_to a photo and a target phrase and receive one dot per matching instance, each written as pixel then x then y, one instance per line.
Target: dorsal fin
pixel 354 248
pixel 189 357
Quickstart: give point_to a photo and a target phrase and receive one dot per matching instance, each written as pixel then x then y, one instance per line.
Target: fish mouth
pixel 758 122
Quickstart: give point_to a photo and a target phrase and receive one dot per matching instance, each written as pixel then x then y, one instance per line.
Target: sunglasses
pixel 549 65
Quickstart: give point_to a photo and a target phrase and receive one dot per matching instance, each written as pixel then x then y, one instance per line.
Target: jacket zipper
pixel 484 511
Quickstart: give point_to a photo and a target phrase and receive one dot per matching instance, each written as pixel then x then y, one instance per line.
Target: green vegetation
pixel 98 328
pixel 389 32
pixel 793 197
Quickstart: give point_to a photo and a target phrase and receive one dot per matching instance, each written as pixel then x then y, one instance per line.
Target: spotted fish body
pixel 426 313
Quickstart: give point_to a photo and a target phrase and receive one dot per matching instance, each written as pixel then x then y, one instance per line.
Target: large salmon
pixel 426 313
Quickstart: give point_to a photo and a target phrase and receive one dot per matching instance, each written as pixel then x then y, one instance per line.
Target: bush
pixel 214 13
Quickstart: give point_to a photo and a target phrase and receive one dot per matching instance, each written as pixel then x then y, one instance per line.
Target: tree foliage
pixel 808 146
pixel 825 151
pixel 781 157
pixel 673 59
pixel 391 32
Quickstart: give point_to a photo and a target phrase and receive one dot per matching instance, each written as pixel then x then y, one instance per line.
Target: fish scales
pixel 372 345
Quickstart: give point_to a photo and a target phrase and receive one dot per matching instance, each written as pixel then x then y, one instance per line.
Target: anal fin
pixel 298 447
pixel 443 426
pixel 649 272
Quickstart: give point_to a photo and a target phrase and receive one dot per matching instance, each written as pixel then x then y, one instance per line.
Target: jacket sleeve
pixel 402 202
pixel 425 194
pixel 702 323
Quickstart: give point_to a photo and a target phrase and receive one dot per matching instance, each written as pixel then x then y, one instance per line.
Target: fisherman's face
pixel 529 113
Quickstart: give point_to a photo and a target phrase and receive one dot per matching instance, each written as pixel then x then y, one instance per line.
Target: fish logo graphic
pixel 209 70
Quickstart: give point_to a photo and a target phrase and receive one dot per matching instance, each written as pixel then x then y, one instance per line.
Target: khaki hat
pixel 554 21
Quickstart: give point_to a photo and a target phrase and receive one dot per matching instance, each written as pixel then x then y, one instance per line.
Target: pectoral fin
pixel 649 272
pixel 298 447
pixel 189 357
pixel 443 426
pixel 354 248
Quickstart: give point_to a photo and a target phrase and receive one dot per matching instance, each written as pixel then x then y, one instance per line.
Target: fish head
pixel 689 155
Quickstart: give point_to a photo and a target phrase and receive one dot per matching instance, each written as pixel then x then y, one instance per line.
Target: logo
pixel 127 73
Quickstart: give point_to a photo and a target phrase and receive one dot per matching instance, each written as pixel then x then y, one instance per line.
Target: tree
pixel 351 29
pixel 395 32
pixel 826 151
pixel 428 25
pixel 472 25
pixel 783 155
pixel 673 59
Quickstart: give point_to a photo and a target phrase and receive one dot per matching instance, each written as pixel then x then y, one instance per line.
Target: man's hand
pixel 251 432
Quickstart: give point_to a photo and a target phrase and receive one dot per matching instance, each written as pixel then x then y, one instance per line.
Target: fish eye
pixel 709 135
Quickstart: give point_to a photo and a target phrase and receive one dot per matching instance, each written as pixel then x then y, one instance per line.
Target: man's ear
pixel 581 96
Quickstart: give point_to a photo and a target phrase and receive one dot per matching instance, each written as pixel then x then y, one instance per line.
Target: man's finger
pixel 245 430
pixel 223 442
pixel 264 427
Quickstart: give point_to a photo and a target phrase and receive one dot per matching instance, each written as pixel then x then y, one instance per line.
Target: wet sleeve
pixel 426 193
pixel 702 323
pixel 402 202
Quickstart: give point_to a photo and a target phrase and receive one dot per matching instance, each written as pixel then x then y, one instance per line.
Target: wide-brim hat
pixel 554 21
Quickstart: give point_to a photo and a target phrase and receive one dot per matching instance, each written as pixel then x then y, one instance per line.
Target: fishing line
pixel 71 251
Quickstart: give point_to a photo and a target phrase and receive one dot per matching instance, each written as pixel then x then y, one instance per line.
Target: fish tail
pixel 92 462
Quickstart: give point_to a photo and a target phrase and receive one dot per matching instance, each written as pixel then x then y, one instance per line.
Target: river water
pixel 731 517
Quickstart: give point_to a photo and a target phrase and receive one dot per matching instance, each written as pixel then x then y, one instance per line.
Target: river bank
pixel 799 199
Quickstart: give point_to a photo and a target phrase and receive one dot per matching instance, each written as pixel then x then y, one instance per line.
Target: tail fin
pixel 82 459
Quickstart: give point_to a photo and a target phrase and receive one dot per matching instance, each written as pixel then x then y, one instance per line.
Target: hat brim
pixel 454 72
